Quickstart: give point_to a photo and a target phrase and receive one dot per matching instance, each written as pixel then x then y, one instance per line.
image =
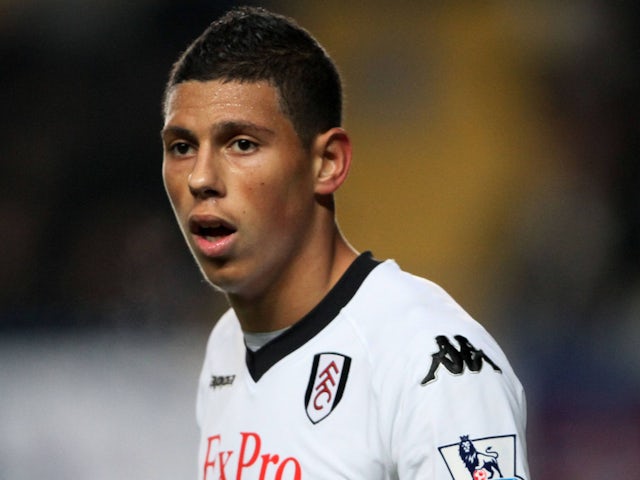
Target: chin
pixel 216 280
pixel 221 278
pixel 217 284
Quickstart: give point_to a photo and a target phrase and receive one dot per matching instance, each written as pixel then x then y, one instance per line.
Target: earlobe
pixel 334 160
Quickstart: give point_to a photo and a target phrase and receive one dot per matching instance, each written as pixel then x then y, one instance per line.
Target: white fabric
pixel 387 424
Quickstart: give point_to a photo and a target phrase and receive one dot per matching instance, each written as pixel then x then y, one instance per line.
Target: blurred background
pixel 496 153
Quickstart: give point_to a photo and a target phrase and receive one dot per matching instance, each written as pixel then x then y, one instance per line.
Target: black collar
pixel 312 323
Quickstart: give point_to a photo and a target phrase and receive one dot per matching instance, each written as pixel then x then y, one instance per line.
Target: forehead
pixel 217 98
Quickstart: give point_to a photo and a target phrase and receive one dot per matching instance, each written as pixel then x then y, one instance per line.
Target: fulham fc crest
pixel 326 384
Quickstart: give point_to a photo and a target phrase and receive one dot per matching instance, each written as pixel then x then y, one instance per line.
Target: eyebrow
pixel 232 127
pixel 178 132
pixel 221 129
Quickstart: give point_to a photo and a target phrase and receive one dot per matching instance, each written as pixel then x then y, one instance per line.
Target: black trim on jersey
pixel 311 324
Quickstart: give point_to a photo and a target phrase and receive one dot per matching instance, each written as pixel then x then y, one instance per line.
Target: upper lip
pixel 210 225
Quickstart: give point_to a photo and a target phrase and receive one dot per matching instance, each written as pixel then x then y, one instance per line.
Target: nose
pixel 205 179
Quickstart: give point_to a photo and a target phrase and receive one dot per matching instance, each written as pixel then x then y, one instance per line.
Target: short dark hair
pixel 251 44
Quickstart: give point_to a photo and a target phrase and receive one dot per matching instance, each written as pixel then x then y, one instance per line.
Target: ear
pixel 332 160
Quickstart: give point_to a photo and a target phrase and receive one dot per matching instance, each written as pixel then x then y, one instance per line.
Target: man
pixel 329 364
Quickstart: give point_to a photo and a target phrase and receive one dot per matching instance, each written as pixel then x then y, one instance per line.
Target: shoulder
pixel 396 302
pixel 226 331
pixel 406 320
pixel 437 373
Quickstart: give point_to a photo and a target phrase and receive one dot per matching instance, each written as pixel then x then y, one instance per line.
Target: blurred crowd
pixel 88 240
pixel 87 232
pixel 575 299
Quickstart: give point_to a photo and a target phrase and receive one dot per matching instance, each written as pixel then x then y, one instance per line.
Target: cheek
pixel 265 205
pixel 175 185
pixel 289 205
pixel 265 198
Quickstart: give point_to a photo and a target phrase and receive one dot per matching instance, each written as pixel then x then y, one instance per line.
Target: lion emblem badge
pixel 491 458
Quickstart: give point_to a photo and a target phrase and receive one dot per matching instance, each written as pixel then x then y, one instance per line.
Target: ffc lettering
pixel 327 381
pixel 221 464
pixel 455 360
pixel 325 385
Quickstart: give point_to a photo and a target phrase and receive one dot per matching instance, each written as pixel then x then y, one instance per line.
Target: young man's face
pixel 240 182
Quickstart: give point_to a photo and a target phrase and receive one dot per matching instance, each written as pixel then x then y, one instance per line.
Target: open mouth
pixel 214 233
pixel 211 231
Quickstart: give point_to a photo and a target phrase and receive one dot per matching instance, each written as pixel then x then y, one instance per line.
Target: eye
pixel 243 145
pixel 181 149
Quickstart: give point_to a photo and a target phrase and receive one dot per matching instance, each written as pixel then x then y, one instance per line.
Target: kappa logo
pixel 455 360
pixel 326 384
pixel 482 459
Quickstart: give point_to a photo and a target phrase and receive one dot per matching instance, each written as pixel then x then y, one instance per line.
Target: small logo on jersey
pixel 221 380
pixel 455 360
pixel 482 459
pixel 326 385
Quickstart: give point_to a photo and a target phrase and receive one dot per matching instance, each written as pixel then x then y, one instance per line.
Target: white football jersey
pixel 387 378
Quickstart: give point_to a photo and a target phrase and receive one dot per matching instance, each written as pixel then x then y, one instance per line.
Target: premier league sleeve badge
pixel 482 458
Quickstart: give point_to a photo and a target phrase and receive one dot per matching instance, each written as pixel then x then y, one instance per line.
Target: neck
pixel 298 290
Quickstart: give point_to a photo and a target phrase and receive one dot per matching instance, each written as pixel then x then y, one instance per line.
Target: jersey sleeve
pixel 221 333
pixel 457 411
pixel 203 385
